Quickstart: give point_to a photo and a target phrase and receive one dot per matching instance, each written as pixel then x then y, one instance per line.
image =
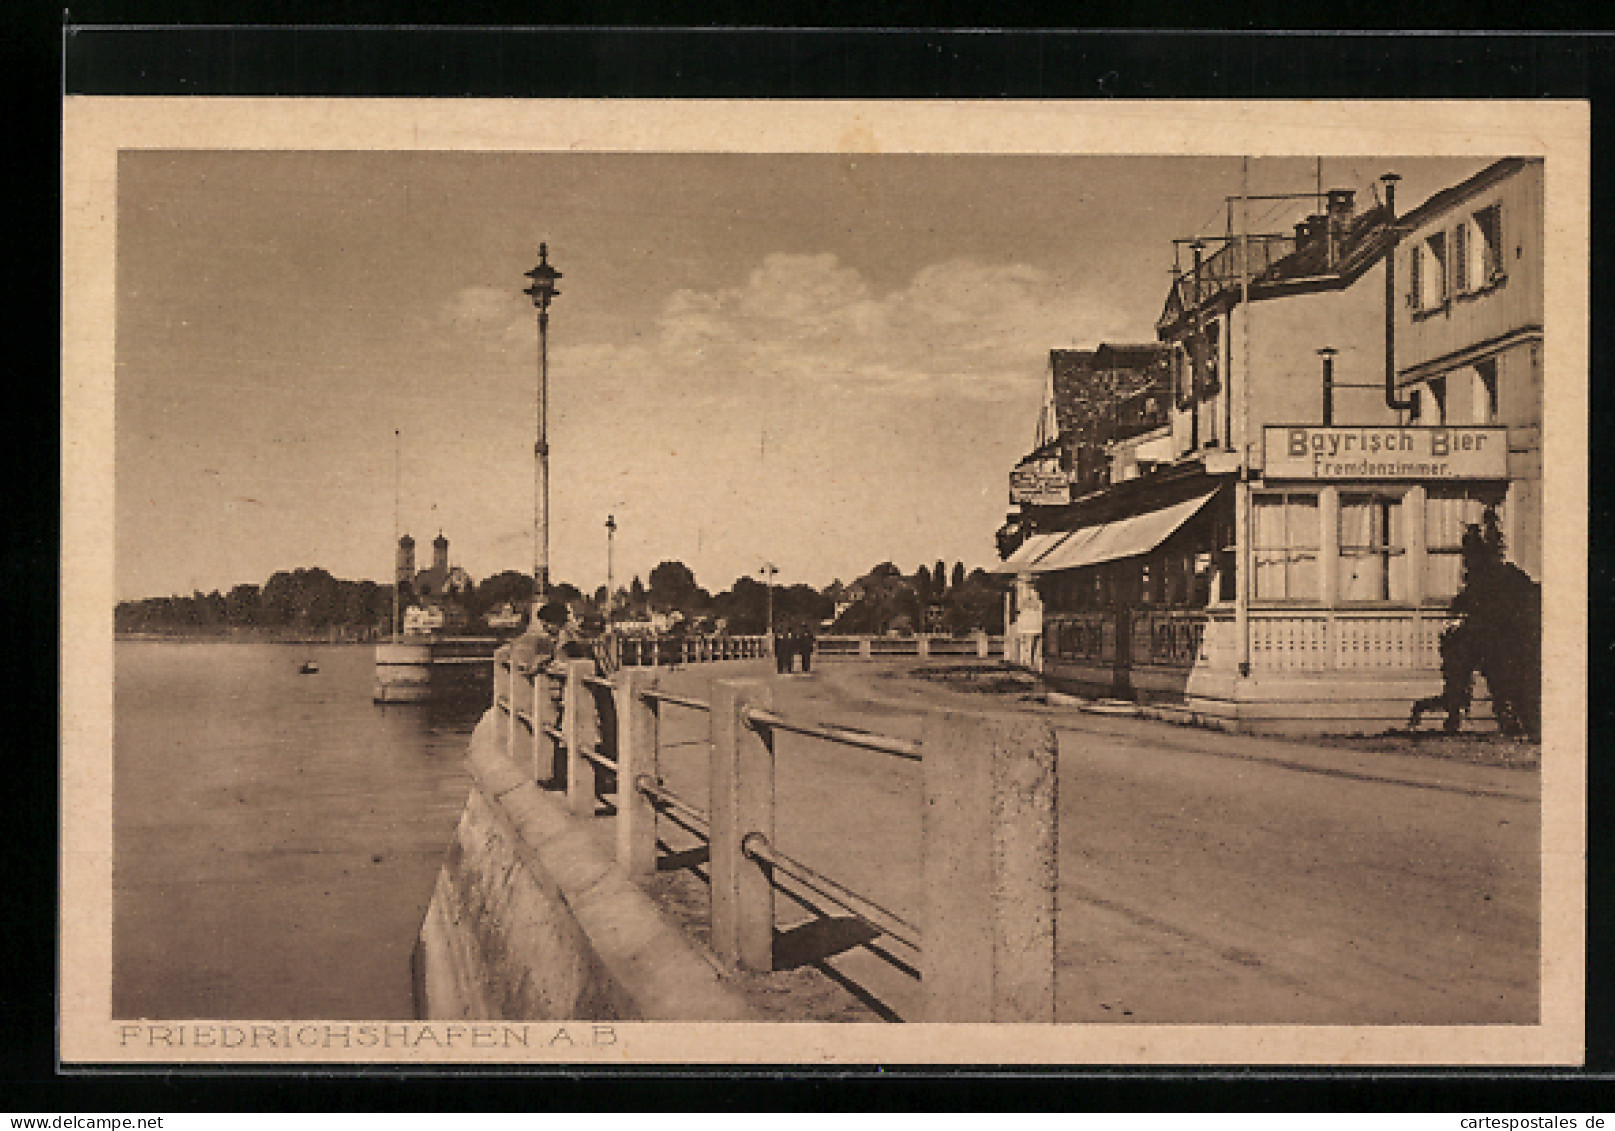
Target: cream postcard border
pixel 96 129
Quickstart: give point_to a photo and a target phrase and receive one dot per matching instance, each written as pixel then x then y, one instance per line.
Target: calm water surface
pixel 276 835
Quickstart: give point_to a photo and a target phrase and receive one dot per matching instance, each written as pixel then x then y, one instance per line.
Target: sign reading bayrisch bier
pixel 1384 452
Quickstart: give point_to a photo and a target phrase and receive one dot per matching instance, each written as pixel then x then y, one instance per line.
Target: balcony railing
pixel 1282 640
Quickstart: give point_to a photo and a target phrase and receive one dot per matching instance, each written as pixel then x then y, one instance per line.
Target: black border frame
pixel 98 50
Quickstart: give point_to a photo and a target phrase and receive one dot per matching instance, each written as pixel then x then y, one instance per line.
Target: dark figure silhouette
pixel 1499 634
pixel 782 652
pixel 804 645
pixel 1457 678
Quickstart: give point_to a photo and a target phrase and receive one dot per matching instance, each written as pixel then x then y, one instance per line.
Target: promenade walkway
pixel 1205 877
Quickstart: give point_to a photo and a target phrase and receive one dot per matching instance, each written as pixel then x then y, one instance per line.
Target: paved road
pixel 1203 877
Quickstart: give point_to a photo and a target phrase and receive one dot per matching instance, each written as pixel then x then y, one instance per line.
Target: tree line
pixel 882 600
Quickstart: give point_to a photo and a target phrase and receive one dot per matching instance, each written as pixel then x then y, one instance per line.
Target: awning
pixel 1028 552
pixel 1120 538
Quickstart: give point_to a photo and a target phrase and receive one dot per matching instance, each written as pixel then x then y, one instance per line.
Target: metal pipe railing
pixel 665 798
pixel 654 696
pixel 599 759
pixel 901 747
pixel 757 846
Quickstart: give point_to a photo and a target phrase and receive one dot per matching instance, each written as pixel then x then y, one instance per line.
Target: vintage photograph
pixel 1063 595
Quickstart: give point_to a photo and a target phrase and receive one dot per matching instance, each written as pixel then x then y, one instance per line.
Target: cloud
pixel 960 327
pixel 488 313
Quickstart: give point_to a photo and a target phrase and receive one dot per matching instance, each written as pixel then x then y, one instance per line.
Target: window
pixel 1485 392
pixel 1478 250
pixel 1373 548
pixel 1286 546
pixel 1474 394
pixel 1222 538
pixel 1182 377
pixel 1200 597
pixel 1447 511
pixel 1429 402
pixel 1427 271
pixel 1210 382
pixel 1180 581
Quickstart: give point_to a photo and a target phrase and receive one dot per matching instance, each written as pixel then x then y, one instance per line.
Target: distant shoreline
pixel 265 635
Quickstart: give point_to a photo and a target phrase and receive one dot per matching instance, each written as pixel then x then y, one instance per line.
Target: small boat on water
pixel 309 668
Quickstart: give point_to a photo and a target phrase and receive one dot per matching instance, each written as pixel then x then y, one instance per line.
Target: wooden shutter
pixel 1460 251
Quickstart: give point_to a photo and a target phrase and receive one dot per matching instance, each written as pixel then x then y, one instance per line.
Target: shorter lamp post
pixel 768 571
pixel 611 533
pixel 1328 355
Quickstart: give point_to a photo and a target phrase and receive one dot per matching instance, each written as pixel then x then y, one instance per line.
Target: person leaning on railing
pixel 533 650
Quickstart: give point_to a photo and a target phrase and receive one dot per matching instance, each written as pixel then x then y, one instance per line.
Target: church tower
pixel 440 554
pixel 405 570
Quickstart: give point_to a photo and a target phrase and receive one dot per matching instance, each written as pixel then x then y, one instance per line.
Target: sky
pixel 820 361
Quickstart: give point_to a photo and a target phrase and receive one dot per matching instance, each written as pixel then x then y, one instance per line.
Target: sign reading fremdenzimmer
pixel 1384 452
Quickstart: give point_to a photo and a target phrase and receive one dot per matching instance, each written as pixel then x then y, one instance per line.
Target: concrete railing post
pixel 991 868
pixel 638 742
pixel 742 802
pixel 504 679
pixel 577 734
pixel 982 650
pixel 866 649
pixel 922 647
pixel 549 755
pixel 520 751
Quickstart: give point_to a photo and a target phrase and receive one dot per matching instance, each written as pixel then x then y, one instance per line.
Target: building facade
pixel 1102 408
pixel 1345 398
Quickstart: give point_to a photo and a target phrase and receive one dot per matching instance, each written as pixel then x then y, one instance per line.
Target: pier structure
pixel 417 669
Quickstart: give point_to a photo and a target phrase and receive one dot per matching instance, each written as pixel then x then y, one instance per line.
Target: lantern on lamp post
pixel 542 293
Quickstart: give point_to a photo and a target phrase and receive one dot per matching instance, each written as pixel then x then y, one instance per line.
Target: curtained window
pixel 1373 548
pixel 1447 511
pixel 1285 546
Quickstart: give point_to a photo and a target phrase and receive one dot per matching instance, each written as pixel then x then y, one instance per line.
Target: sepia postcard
pixel 827 583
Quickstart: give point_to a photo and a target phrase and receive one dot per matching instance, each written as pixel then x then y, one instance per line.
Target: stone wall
pixel 531 919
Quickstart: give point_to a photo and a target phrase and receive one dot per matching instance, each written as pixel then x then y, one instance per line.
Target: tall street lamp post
pixel 542 292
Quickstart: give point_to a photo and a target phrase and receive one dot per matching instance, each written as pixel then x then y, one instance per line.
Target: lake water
pixel 276 835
